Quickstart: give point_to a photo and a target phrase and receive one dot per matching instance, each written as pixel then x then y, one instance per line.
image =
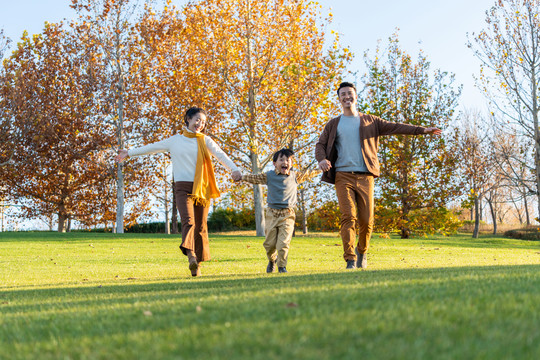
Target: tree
pixel 49 93
pixel 7 132
pixel 109 27
pixel 477 165
pixel 417 172
pixel 509 49
pixel 513 159
pixel 266 76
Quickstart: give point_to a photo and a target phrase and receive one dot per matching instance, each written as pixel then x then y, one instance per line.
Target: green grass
pixel 102 296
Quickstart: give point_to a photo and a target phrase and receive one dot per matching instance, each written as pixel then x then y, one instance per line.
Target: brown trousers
pixel 193 219
pixel 355 197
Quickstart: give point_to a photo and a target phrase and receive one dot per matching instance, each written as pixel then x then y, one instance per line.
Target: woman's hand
pixel 122 155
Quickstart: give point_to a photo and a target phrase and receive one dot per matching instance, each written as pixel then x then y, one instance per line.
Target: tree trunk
pixel 166 201
pixel 405 209
pixel 535 110
pixel 2 210
pixel 259 211
pixel 174 216
pixel 62 223
pixel 167 223
pixel 119 200
pixel 120 138
pixel 493 216
pixel 252 107
pixel 303 207
pixel 476 218
pixel 527 218
pixel 405 230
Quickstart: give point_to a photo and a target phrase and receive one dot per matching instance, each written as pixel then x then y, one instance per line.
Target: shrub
pixel 532 233
pixel 152 228
pixel 325 218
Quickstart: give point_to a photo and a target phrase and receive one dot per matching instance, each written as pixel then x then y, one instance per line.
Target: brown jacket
pixel 371 127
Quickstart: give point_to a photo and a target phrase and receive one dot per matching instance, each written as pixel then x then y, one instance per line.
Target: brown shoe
pixel 361 259
pixel 196 272
pixel 193 264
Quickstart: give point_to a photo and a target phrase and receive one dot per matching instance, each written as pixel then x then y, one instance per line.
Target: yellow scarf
pixel 204 184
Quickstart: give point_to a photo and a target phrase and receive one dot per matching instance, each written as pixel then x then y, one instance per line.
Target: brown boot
pixel 193 264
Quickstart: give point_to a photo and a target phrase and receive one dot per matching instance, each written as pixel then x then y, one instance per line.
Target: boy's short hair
pixel 346 84
pixel 285 152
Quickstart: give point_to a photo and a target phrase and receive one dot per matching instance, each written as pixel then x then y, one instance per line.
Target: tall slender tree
pixel 110 26
pixel 509 48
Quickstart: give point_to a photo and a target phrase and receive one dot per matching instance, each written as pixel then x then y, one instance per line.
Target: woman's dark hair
pixel 191 112
pixel 346 84
pixel 285 152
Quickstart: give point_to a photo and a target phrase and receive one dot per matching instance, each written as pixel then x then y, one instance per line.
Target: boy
pixel 281 198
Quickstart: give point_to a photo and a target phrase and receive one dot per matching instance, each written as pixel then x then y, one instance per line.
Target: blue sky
pixel 438 27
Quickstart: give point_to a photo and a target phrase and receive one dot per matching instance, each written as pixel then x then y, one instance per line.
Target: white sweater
pixel 183 152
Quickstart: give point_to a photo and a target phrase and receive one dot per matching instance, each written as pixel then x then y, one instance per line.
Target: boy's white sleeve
pixel 219 154
pixel 154 148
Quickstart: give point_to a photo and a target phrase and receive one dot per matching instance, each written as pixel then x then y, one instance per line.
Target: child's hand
pixel 237 175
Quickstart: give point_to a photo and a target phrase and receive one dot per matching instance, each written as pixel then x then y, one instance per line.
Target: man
pixel 347 155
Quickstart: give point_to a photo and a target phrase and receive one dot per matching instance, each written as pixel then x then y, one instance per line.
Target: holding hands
pixel 236 175
pixel 122 155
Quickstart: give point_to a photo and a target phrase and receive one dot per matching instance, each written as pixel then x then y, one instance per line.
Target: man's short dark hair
pixel 346 84
pixel 285 152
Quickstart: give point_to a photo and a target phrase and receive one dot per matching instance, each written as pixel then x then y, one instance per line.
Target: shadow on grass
pixel 236 285
pixel 323 315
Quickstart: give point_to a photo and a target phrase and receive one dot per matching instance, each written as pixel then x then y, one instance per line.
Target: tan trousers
pixel 193 219
pixel 355 197
pixel 278 231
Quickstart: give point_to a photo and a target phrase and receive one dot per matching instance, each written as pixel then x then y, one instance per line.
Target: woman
pixel 195 183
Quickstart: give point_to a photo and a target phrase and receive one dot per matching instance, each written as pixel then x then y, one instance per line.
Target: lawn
pixel 103 296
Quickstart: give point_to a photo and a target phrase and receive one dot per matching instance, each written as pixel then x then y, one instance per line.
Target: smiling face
pixel 283 164
pixel 347 97
pixel 197 122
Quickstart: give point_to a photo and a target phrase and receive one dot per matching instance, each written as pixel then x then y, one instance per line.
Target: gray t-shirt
pixel 348 145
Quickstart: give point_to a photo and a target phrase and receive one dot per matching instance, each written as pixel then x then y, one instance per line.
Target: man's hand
pixel 432 131
pixel 122 155
pixel 237 175
pixel 325 165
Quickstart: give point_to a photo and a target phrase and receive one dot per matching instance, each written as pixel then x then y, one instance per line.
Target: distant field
pixel 126 296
